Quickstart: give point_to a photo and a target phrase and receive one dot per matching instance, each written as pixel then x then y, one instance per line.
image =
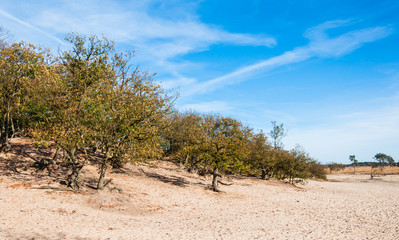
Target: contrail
pixel 26 24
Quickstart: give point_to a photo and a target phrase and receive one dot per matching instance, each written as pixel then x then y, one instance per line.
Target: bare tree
pixel 276 134
pixel 4 36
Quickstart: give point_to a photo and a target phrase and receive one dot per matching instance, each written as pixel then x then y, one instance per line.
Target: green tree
pixel 316 170
pixel 91 99
pixel 374 166
pixel 292 164
pixel 354 161
pixel 80 73
pixel 19 65
pixel 186 139
pixel 127 116
pixel 277 155
pixel 261 155
pixel 390 161
pixel 225 139
pixel 384 160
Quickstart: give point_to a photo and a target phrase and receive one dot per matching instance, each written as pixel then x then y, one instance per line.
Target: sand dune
pixel 162 201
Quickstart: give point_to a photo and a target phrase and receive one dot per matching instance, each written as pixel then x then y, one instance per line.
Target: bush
pixel 317 170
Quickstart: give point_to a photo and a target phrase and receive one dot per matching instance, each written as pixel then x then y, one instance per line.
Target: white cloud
pixel 30 26
pixel 208 107
pixel 320 45
pixel 245 73
pixel 177 82
pixel 161 31
pixel 132 23
pixel 346 43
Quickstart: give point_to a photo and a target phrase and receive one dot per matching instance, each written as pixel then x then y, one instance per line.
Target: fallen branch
pixel 53 188
pixel 226 184
pixel 117 189
pixel 108 182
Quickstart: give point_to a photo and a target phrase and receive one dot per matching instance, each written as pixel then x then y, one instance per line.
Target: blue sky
pixel 328 70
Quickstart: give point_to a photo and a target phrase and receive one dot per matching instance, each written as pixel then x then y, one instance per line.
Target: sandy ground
pixel 162 201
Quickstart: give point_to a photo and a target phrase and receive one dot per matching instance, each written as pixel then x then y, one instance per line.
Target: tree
pixel 225 140
pixel 390 161
pixel 210 143
pixel 292 164
pixel 374 166
pixel 261 155
pixel 383 160
pixel 80 73
pixel 127 115
pixel 316 170
pixel 354 161
pixel 20 63
pixel 276 134
pixel 276 156
pixel 186 138
pixel 95 101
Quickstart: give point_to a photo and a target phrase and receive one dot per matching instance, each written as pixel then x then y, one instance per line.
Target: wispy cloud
pixel 30 26
pixel 209 107
pixel 177 81
pixel 320 45
pixel 160 31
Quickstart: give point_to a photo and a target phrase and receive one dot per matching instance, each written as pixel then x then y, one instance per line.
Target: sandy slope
pixel 165 202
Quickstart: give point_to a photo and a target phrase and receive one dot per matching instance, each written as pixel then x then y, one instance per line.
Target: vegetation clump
pixel 93 105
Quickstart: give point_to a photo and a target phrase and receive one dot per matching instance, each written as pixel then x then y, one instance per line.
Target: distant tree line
pixel 382 160
pixel 90 100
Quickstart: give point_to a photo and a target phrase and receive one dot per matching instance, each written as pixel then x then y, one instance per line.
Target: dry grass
pixel 367 170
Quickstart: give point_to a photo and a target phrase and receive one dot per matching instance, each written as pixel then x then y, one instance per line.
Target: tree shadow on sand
pixel 19 164
pixel 174 180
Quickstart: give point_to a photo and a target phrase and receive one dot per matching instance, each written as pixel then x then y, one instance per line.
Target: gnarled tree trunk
pixel 215 181
pixel 73 180
pixel 103 169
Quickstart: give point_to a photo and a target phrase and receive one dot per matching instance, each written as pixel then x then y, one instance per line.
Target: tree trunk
pixel 73 180
pixel 215 181
pixel 263 174
pixel 4 135
pixel 12 129
pixel 103 169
